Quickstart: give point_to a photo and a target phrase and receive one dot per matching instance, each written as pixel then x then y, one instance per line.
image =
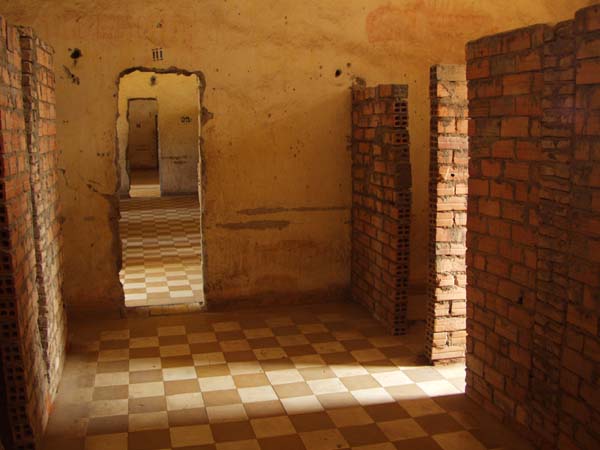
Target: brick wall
pixel 32 320
pixel 580 356
pixel 24 386
pixel 381 183
pixel 448 173
pixel 533 218
pixel 39 105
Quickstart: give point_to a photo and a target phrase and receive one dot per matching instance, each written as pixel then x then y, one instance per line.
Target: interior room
pixel 320 225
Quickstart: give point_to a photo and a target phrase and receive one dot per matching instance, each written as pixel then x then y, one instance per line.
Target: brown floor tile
pixel 312 421
pixel 205 347
pixel 149 440
pixel 386 412
pixel 424 443
pixel 114 344
pixel 108 425
pixel 218 398
pixel 145 352
pixel 266 342
pixel 438 423
pixel 397 351
pixel 315 338
pixel 421 374
pixel 337 400
pixel 356 344
pixel 289 442
pixel 244 355
pixel 63 443
pixel 142 331
pixel 381 365
pixel 147 404
pixel 232 431
pixel 359 382
pixel 277 364
pixel 213 370
pixel 316 373
pixel 113 366
pixel 285 331
pixel 338 358
pixel 363 435
pixel 145 376
pixel 169 362
pixel 250 380
pixel 264 409
pixel 181 387
pixel 300 350
pixel 292 390
pixel 172 340
pixel 111 392
pixel 230 335
pixel 186 417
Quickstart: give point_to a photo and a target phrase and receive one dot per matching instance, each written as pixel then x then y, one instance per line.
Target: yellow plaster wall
pixel 277 166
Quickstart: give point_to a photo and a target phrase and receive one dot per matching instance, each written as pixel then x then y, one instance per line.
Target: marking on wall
pixel 278 210
pixel 74 78
pixel 256 225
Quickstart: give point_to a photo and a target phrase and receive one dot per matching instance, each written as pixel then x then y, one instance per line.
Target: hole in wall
pixel 338 72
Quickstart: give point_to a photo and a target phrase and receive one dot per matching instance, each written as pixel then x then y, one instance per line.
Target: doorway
pixel 158 131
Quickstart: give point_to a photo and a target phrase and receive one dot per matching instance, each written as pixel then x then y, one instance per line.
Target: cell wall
pixel 533 274
pixel 381 202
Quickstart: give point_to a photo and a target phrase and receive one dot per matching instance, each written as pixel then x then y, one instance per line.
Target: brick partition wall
pixel 24 387
pixel 533 351
pixel 381 196
pixel 448 174
pixel 580 358
pixel 39 105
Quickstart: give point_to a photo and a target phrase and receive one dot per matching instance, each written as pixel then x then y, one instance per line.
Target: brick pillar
pixel 448 173
pixel 505 89
pixel 381 183
pixel 24 390
pixel 553 235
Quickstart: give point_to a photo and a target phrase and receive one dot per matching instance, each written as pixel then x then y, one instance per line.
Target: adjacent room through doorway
pixel 158 132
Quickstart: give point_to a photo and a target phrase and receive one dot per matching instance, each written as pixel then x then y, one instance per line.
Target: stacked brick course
pixel 448 173
pixel 24 385
pixel 32 321
pixel 39 104
pixel 533 220
pixel 381 196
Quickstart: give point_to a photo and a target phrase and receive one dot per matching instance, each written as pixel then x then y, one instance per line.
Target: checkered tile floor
pixel 320 377
pixel 161 251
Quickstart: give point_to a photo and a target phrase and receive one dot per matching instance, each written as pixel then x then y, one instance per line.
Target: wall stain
pixel 396 23
pixel 256 225
pixel 278 210
pixel 74 78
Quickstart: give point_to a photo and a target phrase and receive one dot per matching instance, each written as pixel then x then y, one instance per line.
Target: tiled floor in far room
pixel 321 377
pixel 161 250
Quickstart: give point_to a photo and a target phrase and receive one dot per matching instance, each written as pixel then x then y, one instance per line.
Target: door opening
pixel 158 130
